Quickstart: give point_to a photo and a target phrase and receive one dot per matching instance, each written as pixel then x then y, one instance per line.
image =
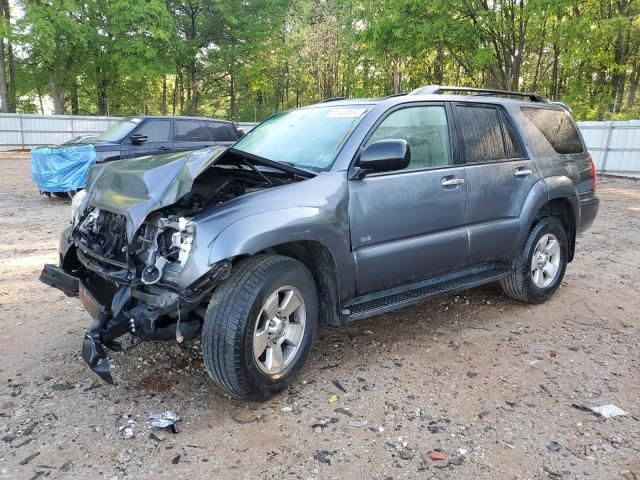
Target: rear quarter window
pixel 556 126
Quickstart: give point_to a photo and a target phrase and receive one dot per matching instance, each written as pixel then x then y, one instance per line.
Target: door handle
pixel 450 182
pixel 162 149
pixel 525 172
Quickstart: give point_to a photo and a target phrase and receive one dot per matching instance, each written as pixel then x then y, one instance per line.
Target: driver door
pixel 158 133
pixel 409 225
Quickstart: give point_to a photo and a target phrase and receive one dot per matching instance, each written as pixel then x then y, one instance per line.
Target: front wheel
pixel 540 266
pixel 260 325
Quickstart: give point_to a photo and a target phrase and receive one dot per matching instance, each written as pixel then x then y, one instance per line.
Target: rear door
pixel 410 224
pixel 499 176
pixel 158 132
pixel 191 134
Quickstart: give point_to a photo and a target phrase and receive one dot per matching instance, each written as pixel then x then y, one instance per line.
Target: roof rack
pixel 333 99
pixel 437 89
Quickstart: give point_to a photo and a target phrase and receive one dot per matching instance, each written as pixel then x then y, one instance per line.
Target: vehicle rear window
pixel 156 130
pixel 556 126
pixel 222 132
pixel 487 134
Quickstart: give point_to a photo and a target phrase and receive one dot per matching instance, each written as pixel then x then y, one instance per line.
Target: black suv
pixel 322 215
pixel 129 138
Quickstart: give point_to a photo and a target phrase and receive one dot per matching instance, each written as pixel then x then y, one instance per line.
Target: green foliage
pixel 247 59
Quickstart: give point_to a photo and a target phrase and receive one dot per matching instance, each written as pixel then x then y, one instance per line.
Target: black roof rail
pixel 333 99
pixel 438 89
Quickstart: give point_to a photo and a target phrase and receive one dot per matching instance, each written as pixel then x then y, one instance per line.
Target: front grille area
pixel 104 234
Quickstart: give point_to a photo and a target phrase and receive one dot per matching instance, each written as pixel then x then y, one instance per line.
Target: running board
pixel 405 295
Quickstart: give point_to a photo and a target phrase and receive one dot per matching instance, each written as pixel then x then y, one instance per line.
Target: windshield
pixel 118 131
pixel 305 138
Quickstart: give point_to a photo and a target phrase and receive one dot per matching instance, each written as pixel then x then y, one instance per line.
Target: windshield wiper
pixel 283 166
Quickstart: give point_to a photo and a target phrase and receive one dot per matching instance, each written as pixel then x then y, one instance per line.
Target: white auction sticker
pixel 346 112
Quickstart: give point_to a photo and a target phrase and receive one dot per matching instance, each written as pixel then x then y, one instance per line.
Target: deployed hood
pixel 136 187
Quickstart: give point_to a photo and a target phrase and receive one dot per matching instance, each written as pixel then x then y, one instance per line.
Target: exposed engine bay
pixel 131 284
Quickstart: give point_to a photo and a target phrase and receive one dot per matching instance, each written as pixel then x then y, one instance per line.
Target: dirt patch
pixel 492 384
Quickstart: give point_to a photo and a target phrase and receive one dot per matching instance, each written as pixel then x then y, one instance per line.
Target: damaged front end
pixel 129 255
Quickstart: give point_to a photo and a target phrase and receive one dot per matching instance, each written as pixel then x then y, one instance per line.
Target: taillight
pixel 593 172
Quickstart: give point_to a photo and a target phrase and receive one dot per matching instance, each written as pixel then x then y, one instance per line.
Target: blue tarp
pixel 61 169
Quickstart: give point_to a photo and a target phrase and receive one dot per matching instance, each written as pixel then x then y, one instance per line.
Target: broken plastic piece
pixel 93 353
pixel 608 411
pixel 164 420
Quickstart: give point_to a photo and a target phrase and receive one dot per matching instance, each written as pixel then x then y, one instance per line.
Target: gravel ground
pixel 487 383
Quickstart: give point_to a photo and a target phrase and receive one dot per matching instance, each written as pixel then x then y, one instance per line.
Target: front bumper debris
pixel 56 277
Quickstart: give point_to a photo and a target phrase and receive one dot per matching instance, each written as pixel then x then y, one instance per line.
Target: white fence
pixel 23 131
pixel 615 146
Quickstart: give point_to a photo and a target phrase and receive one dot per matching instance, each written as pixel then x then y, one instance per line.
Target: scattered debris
pixel 127 430
pixel 29 458
pixel 176 459
pixel 459 460
pixel 155 438
pixel 166 420
pixel 437 455
pixel 608 411
pixel 323 456
pixel 376 429
pixel 607 447
pixel 286 409
pixel 333 399
pixel 357 423
pixel 344 411
pixel 59 387
pixel 554 447
pixel 545 390
pixel 339 386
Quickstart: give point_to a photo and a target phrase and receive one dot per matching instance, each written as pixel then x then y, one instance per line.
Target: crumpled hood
pixel 134 188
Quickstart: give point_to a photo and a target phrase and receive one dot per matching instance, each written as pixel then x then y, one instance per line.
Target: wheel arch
pixel 299 233
pixel 552 197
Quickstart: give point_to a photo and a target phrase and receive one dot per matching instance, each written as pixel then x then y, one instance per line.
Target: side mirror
pixel 138 139
pixel 385 156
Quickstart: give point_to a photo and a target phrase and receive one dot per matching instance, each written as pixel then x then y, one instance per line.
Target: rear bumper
pixel 589 205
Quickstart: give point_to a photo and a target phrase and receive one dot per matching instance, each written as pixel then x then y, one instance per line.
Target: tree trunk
pixel 397 80
pixel 57 95
pixel 438 68
pixel 164 95
pixel 193 90
pixel 4 100
pixel 11 86
pixel 633 86
pixel 75 107
pixel 7 84
pixel 233 108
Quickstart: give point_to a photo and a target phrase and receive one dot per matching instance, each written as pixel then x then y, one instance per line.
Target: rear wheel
pixel 260 326
pixel 540 266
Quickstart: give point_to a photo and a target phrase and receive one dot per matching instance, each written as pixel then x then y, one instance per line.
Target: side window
pixel 221 132
pixel 156 130
pixel 512 145
pixel 191 131
pixel 557 128
pixel 481 133
pixel 426 131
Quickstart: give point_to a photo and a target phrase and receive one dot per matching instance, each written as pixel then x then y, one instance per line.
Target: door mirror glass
pixel 385 156
pixel 138 139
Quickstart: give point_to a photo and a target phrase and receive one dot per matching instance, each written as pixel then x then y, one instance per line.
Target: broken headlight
pixel 76 203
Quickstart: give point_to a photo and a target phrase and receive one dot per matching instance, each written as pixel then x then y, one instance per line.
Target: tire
pixel 523 284
pixel 64 195
pixel 239 312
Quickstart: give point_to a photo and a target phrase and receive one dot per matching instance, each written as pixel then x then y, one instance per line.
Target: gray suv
pixel 323 215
